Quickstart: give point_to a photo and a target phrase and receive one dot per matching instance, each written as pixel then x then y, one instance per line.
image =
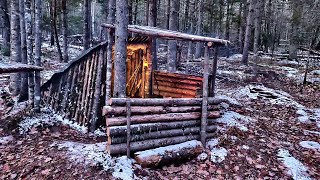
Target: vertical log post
pixel 128 103
pixel 204 114
pixel 109 65
pixel 214 71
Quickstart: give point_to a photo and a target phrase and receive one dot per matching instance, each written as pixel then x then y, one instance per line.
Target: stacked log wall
pixel 156 122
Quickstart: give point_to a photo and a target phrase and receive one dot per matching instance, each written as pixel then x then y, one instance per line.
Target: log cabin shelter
pixel 144 81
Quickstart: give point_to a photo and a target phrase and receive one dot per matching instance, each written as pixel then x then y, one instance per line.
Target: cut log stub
pixel 169 154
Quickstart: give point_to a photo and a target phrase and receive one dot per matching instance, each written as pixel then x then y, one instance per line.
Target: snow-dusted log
pixel 168 154
pixel 115 121
pixel 148 144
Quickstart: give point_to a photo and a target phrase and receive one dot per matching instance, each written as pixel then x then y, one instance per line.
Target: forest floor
pixel 269 130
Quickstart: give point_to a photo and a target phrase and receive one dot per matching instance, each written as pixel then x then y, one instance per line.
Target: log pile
pixel 176 85
pixel 156 122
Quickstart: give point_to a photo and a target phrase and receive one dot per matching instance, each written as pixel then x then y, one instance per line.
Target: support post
pixel 204 114
pixel 214 71
pixel 128 126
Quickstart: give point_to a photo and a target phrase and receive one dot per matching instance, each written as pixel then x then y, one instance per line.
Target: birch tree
pixel 121 36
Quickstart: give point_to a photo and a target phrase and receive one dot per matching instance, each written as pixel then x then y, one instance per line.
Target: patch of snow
pixel 94 154
pixel 233 119
pixel 235 57
pixel 123 168
pixel 212 143
pixel 290 72
pixel 311 132
pixel 101 132
pixel 245 147
pixel 286 62
pixel 6 139
pixel 228 99
pixel 315 72
pixel 48 119
pixel 310 145
pixel 218 155
pixel 302 115
pixel 171 148
pixel 202 157
pixel 296 169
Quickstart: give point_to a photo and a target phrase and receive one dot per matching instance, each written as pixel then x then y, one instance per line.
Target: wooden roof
pixel 169 35
pixel 17 67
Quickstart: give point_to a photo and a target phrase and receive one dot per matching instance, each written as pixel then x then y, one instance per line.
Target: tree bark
pixel 297 8
pixel 248 35
pixel 15 49
pixel 24 75
pixel 168 154
pixel 111 38
pixel 38 43
pixel 30 40
pixel 64 30
pixel 152 21
pixel 6 23
pixel 199 45
pixel 120 48
pixel 86 26
pixel 172 44
pixel 257 28
pixel 56 35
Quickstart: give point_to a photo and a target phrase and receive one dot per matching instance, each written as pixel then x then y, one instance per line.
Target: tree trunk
pixel 229 18
pixel 172 44
pixel 199 45
pixel 257 28
pixel 52 23
pixel 24 76
pixel 121 48
pixel 168 154
pixel 243 25
pixel 249 26
pixel 110 20
pixel 64 30
pixel 6 23
pixel 86 26
pixel 56 35
pixel 297 8
pixel 30 39
pixel 167 13
pixel 15 50
pixel 152 21
pixel 38 43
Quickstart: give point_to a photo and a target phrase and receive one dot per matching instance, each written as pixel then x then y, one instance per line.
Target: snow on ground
pixel 310 145
pixel 94 154
pixel 315 72
pixel 296 169
pixel 100 132
pixel 306 132
pixel 233 119
pixel 212 143
pixel 230 100
pixel 218 155
pixel 6 140
pixel 48 119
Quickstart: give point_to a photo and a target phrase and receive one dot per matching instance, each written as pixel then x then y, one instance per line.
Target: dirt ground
pixel 269 130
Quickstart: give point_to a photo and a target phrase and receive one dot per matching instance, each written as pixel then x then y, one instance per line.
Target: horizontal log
pixel 178 76
pixel 171 94
pixel 148 144
pixel 180 81
pixel 168 154
pixel 18 67
pixel 164 101
pixel 159 134
pixel 138 110
pixel 175 90
pixel 177 85
pixel 115 121
pixel 152 127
